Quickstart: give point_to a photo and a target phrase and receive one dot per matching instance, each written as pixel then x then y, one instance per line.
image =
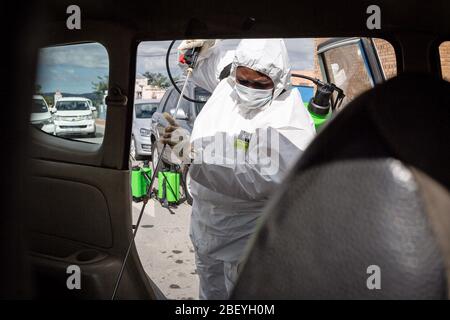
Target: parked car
pixel 187 113
pixel 40 116
pixel 74 116
pixel 141 145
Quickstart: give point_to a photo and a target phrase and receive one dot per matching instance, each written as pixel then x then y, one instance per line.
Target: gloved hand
pixel 195 43
pixel 177 139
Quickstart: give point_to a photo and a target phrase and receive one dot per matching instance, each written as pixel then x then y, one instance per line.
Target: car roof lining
pixel 230 19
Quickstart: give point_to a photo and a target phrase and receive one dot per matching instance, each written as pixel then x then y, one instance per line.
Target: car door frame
pixel 369 55
pixel 101 171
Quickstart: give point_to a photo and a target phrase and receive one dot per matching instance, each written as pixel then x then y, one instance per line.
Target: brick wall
pixel 355 72
pixel 387 58
pixel 300 81
pixel 351 68
pixel 386 53
pixel 444 51
pixel 317 72
pixel 357 75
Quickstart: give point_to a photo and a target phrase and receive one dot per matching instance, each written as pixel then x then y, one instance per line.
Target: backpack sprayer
pixel 190 58
pixel 321 106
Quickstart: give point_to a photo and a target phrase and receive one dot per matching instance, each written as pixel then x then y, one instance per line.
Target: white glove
pixel 185 45
pixel 195 43
pixel 178 141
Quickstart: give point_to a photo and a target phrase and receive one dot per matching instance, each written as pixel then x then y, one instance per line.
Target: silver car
pixel 141 145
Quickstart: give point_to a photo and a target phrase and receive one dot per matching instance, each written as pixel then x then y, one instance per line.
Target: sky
pixel 73 68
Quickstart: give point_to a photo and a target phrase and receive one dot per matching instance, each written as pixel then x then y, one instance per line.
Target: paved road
pixel 100 132
pixel 165 249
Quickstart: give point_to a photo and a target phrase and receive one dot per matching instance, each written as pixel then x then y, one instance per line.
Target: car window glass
pixel 167 241
pixel 162 104
pixel 39 106
pixel 72 82
pixel 200 95
pixel 171 104
pixel 347 68
pixel 170 101
pixel 71 105
pixel 145 110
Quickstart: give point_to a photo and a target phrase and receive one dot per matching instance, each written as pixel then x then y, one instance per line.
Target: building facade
pixel 145 91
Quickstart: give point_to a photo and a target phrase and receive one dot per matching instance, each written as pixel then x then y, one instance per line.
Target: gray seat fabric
pixel 371 190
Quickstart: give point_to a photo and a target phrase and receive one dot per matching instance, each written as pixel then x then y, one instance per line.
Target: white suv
pixel 40 116
pixel 74 116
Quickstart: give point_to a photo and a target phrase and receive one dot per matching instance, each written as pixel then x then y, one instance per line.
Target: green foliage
pixel 157 79
pixel 100 87
pixel 50 99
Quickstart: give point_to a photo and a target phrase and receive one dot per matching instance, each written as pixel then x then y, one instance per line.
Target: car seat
pixel 368 198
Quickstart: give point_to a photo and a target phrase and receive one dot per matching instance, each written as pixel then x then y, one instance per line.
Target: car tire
pixel 154 156
pixel 186 187
pixel 133 149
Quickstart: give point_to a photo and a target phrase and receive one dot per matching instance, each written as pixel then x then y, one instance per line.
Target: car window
pixel 71 105
pixel 73 81
pixel 444 53
pixel 171 99
pixel 200 95
pixel 171 104
pixel 145 110
pixel 163 101
pixel 39 106
pixel 153 82
pixel 346 67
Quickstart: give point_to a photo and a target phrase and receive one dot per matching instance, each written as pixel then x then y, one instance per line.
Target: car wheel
pixel 186 186
pixel 155 156
pixel 133 151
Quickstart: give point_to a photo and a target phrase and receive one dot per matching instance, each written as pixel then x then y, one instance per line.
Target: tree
pixel 49 99
pixel 100 87
pixel 157 79
pixel 37 89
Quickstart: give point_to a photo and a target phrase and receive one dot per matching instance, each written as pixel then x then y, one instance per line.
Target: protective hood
pixel 268 56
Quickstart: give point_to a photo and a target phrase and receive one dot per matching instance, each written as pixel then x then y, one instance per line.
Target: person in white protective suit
pixel 244 141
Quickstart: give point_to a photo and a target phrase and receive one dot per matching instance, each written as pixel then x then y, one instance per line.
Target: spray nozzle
pixel 320 103
pixel 191 55
pixel 323 99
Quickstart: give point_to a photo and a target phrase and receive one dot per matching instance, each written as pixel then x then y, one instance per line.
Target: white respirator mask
pixel 252 98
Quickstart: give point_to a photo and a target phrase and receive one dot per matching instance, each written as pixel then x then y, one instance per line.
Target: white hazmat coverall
pixel 231 182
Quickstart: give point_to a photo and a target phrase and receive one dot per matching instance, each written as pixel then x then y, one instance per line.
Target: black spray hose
pixel 171 78
pixel 328 89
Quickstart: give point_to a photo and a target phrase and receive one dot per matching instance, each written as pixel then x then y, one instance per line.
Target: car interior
pixel 372 187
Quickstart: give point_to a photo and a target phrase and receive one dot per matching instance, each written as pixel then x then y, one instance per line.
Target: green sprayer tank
pixel 169 186
pixel 319 115
pixel 139 182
